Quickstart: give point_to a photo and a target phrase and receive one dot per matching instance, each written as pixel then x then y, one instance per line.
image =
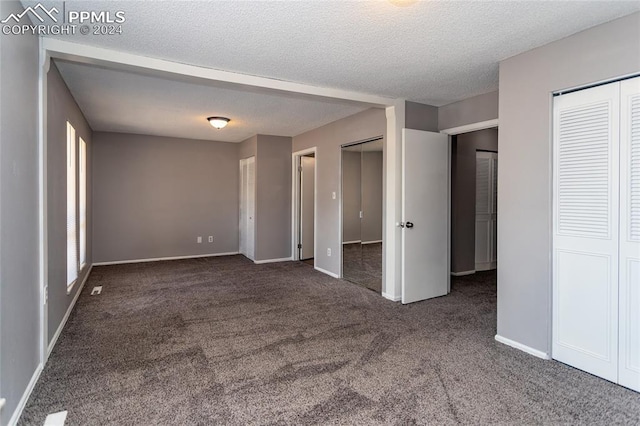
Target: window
pixel 72 235
pixel 82 201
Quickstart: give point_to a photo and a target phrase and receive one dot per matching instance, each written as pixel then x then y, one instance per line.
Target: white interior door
pixel 585 230
pixel 629 367
pixel 307 196
pixel 425 210
pixel 486 210
pixel 247 207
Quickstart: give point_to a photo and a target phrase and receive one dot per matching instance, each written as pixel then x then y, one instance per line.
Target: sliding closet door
pixel 629 369
pixel 585 230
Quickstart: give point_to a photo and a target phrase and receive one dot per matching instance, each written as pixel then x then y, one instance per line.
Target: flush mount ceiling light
pixel 218 122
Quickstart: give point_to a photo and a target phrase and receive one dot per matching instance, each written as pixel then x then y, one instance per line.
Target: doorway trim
pixel 480 125
pixel 295 203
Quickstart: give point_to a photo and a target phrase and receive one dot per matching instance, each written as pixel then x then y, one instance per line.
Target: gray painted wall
pixel 420 117
pixel 371 224
pixel 273 197
pixel 351 195
pixel 153 196
pixel 472 110
pixel 329 138
pixel 248 148
pixel 19 246
pixel 61 107
pixel 463 195
pixel 524 182
pixel 273 194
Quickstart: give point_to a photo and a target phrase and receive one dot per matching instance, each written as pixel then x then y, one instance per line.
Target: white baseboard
pixel 159 259
pixel 463 273
pixel 352 242
pixel 54 339
pixel 391 297
pixel 486 266
pixel 523 348
pixel 324 271
pixel 284 259
pixel 372 242
pixel 25 397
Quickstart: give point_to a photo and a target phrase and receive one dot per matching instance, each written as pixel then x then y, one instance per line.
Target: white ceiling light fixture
pixel 218 122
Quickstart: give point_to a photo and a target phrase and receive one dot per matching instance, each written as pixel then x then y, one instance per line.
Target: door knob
pixel 409 225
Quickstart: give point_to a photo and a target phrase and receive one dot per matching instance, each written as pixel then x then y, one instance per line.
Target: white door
pixel 585 230
pixel 486 210
pixel 307 195
pixel 247 207
pixel 425 211
pixel 629 367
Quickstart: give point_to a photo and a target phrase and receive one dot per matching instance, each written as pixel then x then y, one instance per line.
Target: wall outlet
pixel 210 238
pixel 329 252
pixel 199 240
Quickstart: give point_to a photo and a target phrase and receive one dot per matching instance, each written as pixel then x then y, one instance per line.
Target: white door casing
pixel 486 211
pixel 247 207
pixel 425 212
pixel 307 195
pixel 585 230
pixel 629 315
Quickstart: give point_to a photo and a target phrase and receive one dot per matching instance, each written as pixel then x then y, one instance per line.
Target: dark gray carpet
pixel 362 264
pixel 224 341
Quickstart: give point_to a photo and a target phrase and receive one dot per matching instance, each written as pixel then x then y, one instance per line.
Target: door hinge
pixel 299 246
pixel 300 169
pixel 46 294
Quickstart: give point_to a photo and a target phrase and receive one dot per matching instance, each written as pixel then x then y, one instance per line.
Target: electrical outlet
pixel 329 252
pixel 333 195
pixel 96 290
pixel 199 240
pixel 210 238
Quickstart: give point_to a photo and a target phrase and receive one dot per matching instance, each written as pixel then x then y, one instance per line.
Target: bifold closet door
pixel 486 210
pixel 629 368
pixel 585 229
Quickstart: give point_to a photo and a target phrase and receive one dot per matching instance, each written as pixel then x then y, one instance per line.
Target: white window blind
pixel 72 237
pixel 82 201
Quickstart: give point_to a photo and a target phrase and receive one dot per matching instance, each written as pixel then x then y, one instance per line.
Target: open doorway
pixel 474 201
pixel 247 206
pixel 304 206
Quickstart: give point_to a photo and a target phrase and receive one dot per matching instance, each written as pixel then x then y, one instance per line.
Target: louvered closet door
pixel 629 368
pixel 486 210
pixel 585 231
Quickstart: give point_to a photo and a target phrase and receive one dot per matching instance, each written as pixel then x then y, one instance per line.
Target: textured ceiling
pixel 117 101
pixel 430 52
